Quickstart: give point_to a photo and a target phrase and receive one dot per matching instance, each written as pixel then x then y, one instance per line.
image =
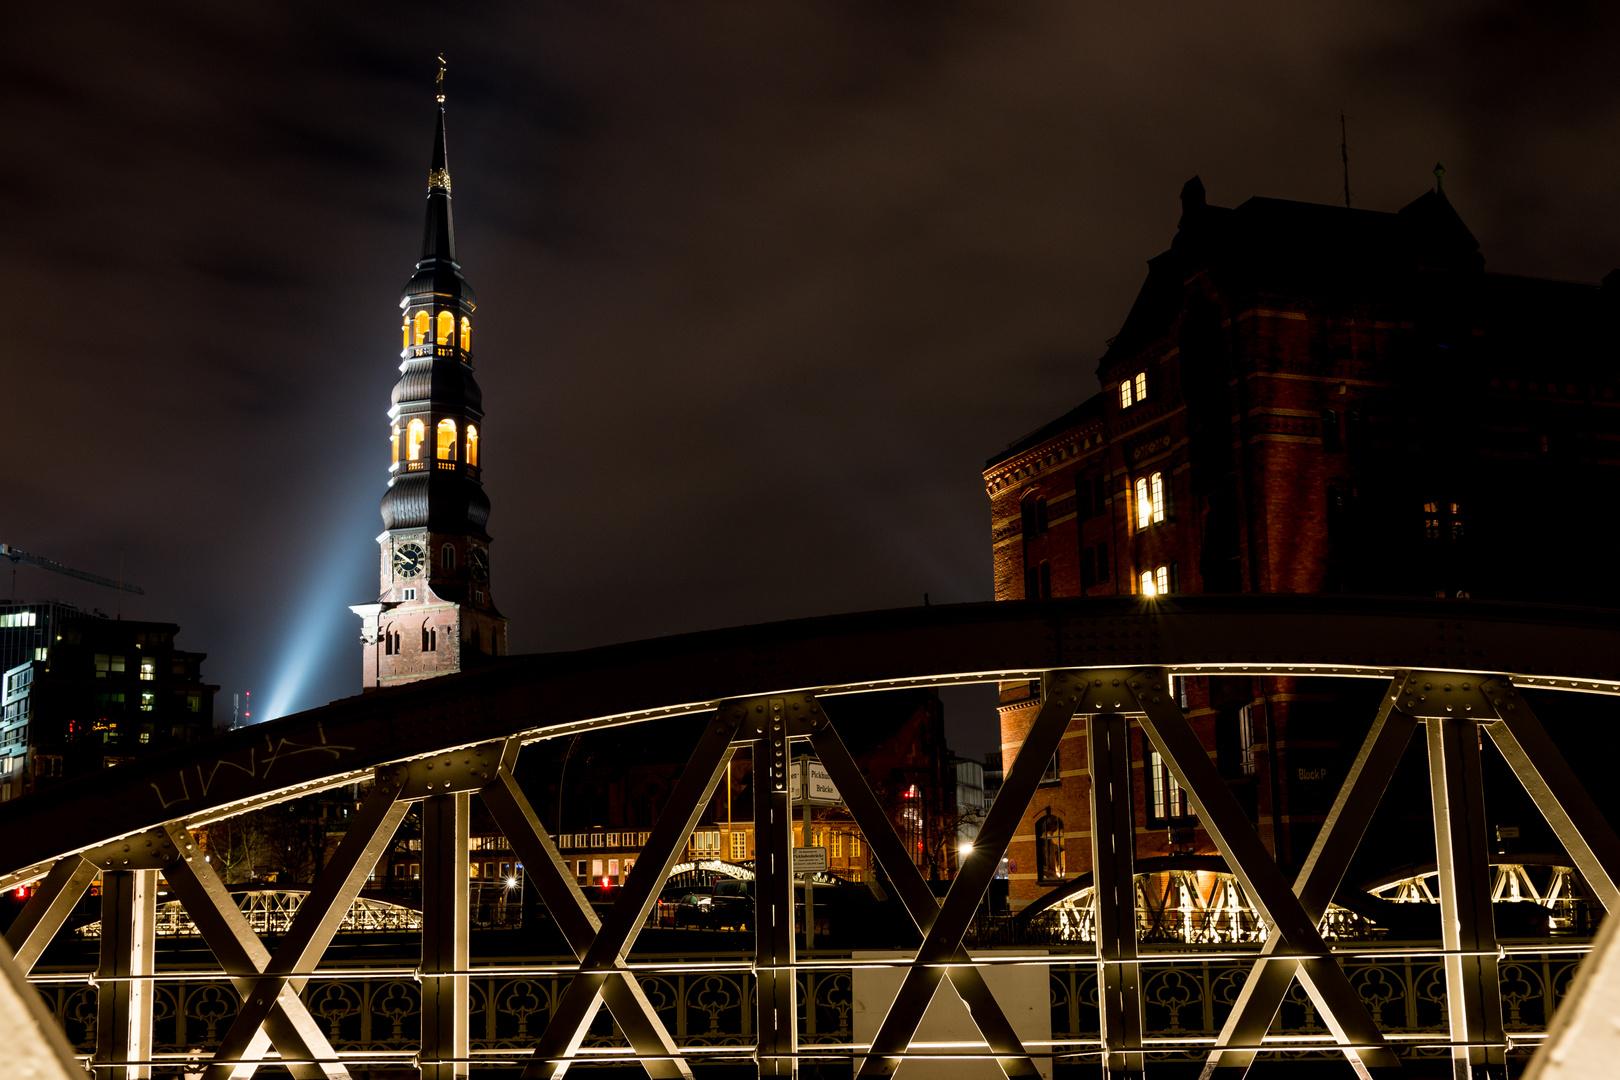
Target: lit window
pixel 108 665
pixel 472 444
pixel 447 440
pixel 855 846
pixel 1246 740
pixel 1126 398
pixel 1141 386
pixel 1169 800
pixel 466 334
pixel 393 440
pixel 1144 504
pixel 405 332
pixel 1147 583
pixel 1156 496
pixel 447 557
pixel 1049 849
pixel 415 434
pixel 423 321
pixel 447 328
pixel 1442 520
pixel 739 845
pixel 1161 581
pixel 148 668
pixel 148 702
pixel 838 845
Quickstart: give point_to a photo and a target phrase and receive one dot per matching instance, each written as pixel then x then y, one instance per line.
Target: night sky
pixel 761 285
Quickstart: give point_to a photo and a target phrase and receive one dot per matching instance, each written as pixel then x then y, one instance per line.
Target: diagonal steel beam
pixel 915 895
pixel 1575 819
pixel 574 916
pixel 943 940
pixel 572 1016
pixel 1113 850
pixel 1318 880
pixel 36 1047
pixel 1324 980
pixel 318 919
pixel 53 901
pixel 207 899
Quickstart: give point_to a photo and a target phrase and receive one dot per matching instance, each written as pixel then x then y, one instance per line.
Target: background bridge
pixel 1456 670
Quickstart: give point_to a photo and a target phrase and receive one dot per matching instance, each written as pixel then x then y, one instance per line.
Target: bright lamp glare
pixel 964 848
pixel 511 883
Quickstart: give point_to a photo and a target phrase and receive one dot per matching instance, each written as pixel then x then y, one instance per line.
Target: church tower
pixel 434 614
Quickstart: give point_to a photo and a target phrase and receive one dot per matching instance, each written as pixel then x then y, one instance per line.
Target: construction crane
pixel 18 556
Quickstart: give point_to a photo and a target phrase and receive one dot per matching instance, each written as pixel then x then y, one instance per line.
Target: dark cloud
pixel 761 285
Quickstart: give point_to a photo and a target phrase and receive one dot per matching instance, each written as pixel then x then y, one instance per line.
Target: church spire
pixel 439 233
pixel 434 613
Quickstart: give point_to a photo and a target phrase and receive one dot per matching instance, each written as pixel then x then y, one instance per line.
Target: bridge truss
pixel 1455 670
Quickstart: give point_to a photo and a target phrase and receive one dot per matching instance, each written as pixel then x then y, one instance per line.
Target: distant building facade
pixel 1306 399
pixel 106 691
pixel 28 627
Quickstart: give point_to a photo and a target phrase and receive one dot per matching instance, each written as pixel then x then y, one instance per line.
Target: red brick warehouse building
pixel 1306 399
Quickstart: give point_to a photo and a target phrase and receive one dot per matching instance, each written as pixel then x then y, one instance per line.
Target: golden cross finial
pixel 439 82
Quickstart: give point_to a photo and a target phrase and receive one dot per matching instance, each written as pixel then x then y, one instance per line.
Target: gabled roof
pixel 1280 245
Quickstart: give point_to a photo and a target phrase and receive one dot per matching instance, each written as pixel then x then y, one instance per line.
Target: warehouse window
pixel 1049 849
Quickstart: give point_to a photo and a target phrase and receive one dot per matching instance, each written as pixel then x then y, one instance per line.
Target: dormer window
pixel 1133 390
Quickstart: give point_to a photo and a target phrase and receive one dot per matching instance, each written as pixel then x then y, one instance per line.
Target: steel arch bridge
pixel 1453 668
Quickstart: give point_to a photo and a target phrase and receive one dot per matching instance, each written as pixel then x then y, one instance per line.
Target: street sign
pixel 809 860
pixel 822 790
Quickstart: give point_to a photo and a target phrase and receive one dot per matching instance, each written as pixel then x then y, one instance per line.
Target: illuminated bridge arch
pixel 1451 669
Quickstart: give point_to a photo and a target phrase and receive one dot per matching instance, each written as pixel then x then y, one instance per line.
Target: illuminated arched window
pixel 1144 504
pixel 394 439
pixel 405 333
pixel 466 334
pixel 415 434
pixel 447 328
pixel 472 444
pixel 447 440
pixel 423 322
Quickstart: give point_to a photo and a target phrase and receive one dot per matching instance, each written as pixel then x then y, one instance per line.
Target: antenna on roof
pixel 1439 178
pixel 1344 154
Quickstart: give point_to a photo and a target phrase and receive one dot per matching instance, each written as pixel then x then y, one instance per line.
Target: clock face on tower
pixel 479 561
pixel 409 560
